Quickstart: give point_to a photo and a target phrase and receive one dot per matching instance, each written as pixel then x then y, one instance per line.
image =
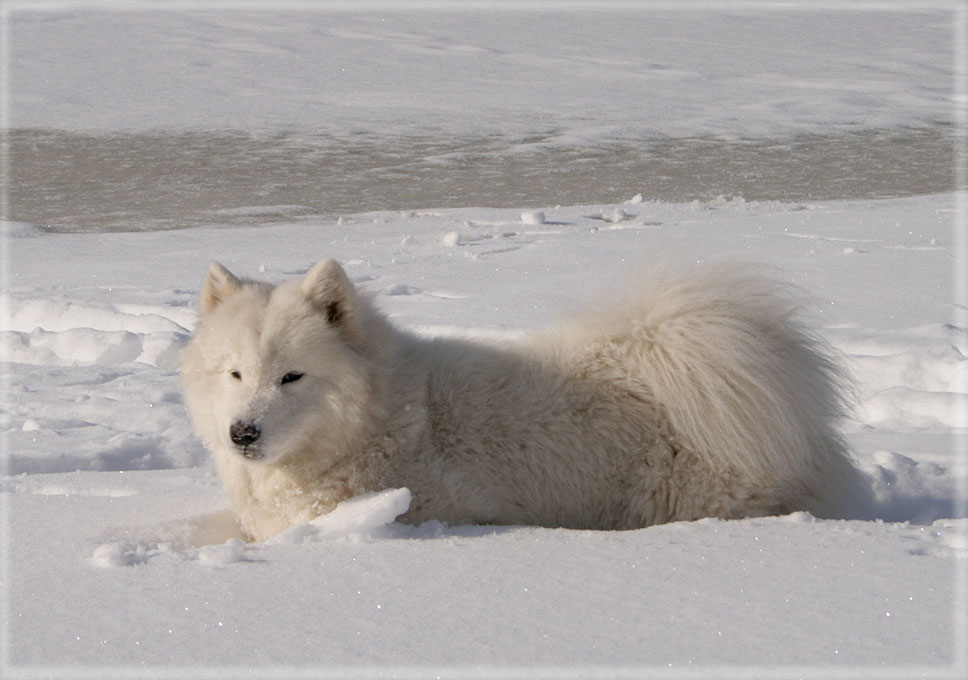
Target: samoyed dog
pixel 697 392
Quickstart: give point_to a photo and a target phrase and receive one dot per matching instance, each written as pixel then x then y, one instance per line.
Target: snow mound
pixel 233 550
pixel 62 333
pixel 533 217
pixel 119 555
pixel 213 539
pixel 27 314
pixel 128 554
pixel 911 382
pixel 73 347
pixel 907 490
pixel 450 239
pixel 905 409
pixel 361 515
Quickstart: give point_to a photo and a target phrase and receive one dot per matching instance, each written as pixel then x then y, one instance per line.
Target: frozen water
pixel 197 178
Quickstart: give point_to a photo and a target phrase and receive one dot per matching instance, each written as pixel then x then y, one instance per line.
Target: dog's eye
pixel 236 375
pixel 292 376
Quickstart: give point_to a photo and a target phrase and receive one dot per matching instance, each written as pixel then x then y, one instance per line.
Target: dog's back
pixel 696 393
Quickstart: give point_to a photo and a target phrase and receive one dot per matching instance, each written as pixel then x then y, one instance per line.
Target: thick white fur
pixel 696 393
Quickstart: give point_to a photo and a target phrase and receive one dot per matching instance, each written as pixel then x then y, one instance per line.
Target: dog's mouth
pixel 250 453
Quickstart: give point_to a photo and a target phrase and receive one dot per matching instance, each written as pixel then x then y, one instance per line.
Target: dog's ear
pixel 220 284
pixel 330 291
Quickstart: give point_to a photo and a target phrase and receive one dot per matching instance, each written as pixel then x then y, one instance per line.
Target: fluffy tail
pixel 744 382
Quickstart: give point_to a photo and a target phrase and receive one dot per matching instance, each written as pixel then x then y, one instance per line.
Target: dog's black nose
pixel 244 434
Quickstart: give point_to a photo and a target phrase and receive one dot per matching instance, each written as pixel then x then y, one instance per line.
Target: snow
pixel 113 503
pixel 641 72
pixel 119 558
pixel 533 217
pixel 361 515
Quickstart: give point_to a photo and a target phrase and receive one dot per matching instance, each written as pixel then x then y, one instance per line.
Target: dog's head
pixel 276 370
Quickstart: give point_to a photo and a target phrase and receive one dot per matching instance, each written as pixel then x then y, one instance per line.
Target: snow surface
pixel 122 555
pixel 747 69
pixel 119 558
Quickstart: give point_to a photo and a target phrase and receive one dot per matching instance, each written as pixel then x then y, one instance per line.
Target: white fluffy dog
pixel 696 394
